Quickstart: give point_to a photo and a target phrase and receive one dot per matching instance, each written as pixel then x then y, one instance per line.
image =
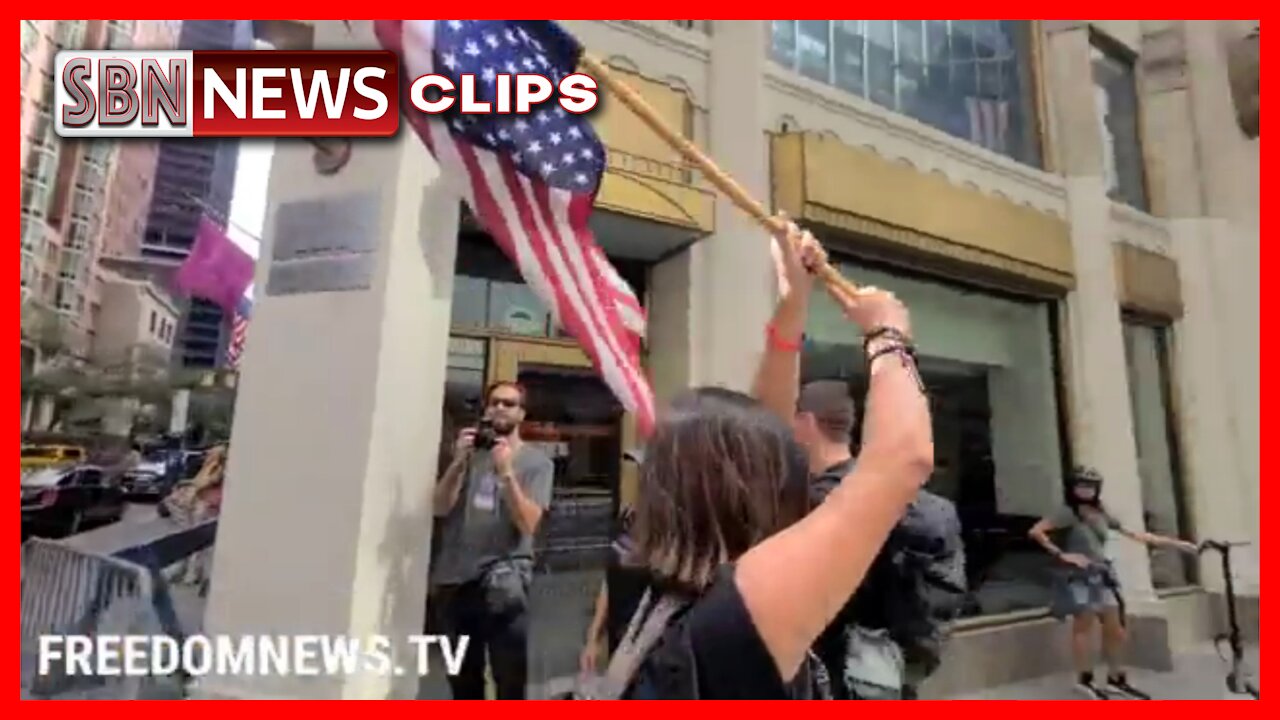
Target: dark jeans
pixel 504 640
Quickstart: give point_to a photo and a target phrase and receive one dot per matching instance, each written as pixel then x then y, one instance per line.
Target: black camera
pixel 485 436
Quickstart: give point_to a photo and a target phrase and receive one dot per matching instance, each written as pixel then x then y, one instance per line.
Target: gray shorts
pixel 1081 593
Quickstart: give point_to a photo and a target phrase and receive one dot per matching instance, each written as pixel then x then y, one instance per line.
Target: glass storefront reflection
pixel 489 295
pixel 988 365
pixel 970 78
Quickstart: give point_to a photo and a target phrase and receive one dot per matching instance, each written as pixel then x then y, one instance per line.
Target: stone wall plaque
pixel 325 245
pixel 324 274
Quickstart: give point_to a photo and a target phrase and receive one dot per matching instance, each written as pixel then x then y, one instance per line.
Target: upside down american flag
pixel 531 180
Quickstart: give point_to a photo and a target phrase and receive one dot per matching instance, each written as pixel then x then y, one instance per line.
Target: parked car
pixel 146 483
pixel 63 500
pixel 160 472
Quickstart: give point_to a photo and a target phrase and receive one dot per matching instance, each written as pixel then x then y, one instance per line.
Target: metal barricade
pixel 68 592
pixel 571 558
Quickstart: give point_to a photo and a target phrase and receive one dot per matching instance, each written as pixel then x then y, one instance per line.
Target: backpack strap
pixel 645 629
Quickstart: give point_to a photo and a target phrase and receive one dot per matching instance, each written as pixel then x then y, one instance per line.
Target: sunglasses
pixel 504 402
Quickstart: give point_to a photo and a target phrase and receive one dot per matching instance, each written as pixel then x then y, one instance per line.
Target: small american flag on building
pixel 531 181
pixel 239 327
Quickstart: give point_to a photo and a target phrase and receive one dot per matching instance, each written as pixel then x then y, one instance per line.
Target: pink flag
pixel 217 270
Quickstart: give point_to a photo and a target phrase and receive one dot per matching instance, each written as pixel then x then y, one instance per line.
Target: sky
pixel 249 196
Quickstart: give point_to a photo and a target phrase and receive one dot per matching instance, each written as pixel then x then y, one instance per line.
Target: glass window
pixel 35 197
pixel 84 203
pixel 30 35
pixel 988 363
pixel 515 308
pixel 880 63
pixel 910 64
pixel 1116 102
pixel 1163 501
pixel 849 55
pixel 970 78
pixel 463 388
pixel 470 301
pixel 32 230
pixel 153 321
pixel 783 43
pixel 813 48
pixel 489 293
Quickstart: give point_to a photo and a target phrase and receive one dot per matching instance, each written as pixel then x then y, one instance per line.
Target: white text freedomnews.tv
pixel 292 655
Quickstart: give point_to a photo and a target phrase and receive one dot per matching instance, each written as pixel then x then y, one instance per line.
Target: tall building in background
pixel 83 199
pixel 194 177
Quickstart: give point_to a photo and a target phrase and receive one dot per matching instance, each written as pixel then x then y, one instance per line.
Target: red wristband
pixel 777 342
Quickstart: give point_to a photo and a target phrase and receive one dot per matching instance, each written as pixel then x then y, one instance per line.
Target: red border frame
pixel 720 8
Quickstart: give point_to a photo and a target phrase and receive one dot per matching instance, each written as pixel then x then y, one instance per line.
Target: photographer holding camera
pixel 490 501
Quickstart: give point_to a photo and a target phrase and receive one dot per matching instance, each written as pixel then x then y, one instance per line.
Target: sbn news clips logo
pixel 273 93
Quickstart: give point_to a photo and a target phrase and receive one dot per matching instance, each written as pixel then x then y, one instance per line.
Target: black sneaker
pixel 1120 684
pixel 1084 685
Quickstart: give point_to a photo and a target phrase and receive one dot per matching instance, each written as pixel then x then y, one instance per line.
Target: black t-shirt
pixel 867 606
pixel 625 586
pixel 625 582
pixel 712 651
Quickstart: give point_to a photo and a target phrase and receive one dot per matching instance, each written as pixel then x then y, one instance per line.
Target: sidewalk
pixel 1198 674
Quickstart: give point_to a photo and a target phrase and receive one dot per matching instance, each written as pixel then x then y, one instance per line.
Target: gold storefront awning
pixel 650 202
pixel 900 214
pixel 1147 282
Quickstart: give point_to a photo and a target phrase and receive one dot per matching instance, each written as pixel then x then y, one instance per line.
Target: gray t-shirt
pixel 479 528
pixel 1085 534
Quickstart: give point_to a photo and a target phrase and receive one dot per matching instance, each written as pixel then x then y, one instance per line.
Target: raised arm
pixel 1147 538
pixel 777 381
pixel 795 582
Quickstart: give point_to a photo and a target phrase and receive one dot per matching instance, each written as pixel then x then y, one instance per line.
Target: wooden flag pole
pixel 722 180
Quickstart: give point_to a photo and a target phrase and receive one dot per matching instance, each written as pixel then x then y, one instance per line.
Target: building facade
pixel 1069 208
pixel 194 177
pixel 80 200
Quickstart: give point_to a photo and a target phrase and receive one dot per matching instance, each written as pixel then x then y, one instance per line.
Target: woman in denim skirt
pixel 1087 590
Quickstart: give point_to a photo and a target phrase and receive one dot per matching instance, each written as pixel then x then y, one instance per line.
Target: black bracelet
pixel 885 331
pixel 908 355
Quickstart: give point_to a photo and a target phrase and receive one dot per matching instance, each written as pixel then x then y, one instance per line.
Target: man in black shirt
pixel 824 426
pixel 824 423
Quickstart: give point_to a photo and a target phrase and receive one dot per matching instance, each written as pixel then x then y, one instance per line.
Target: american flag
pixel 239 326
pixel 531 181
pixel 235 347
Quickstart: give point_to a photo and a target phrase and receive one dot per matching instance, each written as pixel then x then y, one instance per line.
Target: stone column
pixel 1190 127
pixel 732 271
pixel 1101 419
pixel 46 405
pixel 326 522
pixel 179 409
pixel 28 410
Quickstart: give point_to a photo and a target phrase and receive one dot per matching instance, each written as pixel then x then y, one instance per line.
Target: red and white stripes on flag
pixel 542 228
pixel 235 348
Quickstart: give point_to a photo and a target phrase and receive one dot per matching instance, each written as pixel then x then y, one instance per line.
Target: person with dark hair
pixel 824 420
pixel 1088 591
pixel 745 577
pixel 618 599
pixel 490 501
pixel 620 594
